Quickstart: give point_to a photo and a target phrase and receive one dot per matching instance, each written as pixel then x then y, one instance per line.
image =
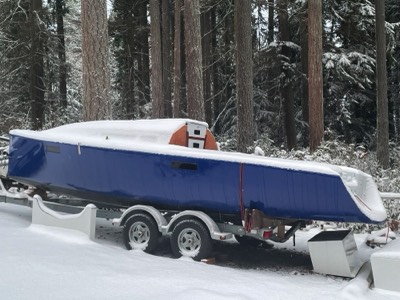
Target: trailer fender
pixel 158 217
pixel 213 228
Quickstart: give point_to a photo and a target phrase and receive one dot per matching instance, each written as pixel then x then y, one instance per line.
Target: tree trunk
pixel 304 68
pixel 217 85
pixel 177 59
pixel 316 109
pixel 207 64
pixel 396 104
pixel 194 80
pixel 128 77
pixel 244 75
pixel 287 90
pixel 156 61
pixel 36 89
pixel 96 82
pixel 381 84
pixel 223 80
pixel 166 56
pixel 61 52
pixel 271 22
pixel 143 55
pixel 183 102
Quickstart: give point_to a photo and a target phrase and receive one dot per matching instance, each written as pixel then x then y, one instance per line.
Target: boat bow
pixel 364 192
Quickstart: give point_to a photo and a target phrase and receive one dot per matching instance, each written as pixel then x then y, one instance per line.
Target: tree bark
pixel 36 90
pixel 194 80
pixel 223 21
pixel 316 110
pixel 271 22
pixel 177 60
pixel 287 90
pixel 166 56
pixel 304 68
pixel 60 6
pixel 96 81
pixel 217 85
pixel 128 77
pixel 156 61
pixel 143 56
pixel 124 29
pixel 183 102
pixel 207 64
pixel 381 84
pixel 244 75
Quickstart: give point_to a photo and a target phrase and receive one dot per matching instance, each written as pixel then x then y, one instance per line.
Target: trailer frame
pixel 205 228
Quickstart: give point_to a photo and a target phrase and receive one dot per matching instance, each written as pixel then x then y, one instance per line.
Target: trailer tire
pixel 141 232
pixel 191 238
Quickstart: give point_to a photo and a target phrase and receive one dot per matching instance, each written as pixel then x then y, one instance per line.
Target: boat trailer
pixel 191 232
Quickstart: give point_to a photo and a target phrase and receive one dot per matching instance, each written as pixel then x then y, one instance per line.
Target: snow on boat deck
pixel 153 136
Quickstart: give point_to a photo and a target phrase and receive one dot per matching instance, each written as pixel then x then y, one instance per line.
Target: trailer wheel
pixel 141 232
pixel 192 239
pixel 247 241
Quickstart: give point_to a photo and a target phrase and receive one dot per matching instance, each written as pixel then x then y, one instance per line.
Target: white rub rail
pixel 390 196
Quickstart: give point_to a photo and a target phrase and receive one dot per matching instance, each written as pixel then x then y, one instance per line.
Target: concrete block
pixel 386 265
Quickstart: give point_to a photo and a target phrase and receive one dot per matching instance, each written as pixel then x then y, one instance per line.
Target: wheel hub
pixel 139 233
pixel 189 242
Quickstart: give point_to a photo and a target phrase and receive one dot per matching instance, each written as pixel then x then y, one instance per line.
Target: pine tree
pixel 37 88
pixel 206 34
pixel 304 68
pixel 271 23
pixel 96 104
pixel 60 12
pixel 156 60
pixel 143 49
pixel 316 114
pixel 381 83
pixel 177 59
pixel 166 56
pixel 244 75
pixel 223 68
pixel 287 90
pixel 122 30
pixel 349 70
pixel 194 80
pixel 393 17
pixel 15 35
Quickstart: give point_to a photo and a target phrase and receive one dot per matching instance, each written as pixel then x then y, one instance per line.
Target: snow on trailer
pixel 172 180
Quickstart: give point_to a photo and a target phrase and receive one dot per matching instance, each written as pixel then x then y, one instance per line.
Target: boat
pixel 175 165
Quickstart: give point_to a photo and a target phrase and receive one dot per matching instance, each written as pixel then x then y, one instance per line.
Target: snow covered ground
pixel 39 262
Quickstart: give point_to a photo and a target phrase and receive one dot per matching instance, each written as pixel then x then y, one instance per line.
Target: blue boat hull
pixel 125 178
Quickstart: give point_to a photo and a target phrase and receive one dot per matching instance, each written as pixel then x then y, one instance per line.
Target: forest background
pixel 255 71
